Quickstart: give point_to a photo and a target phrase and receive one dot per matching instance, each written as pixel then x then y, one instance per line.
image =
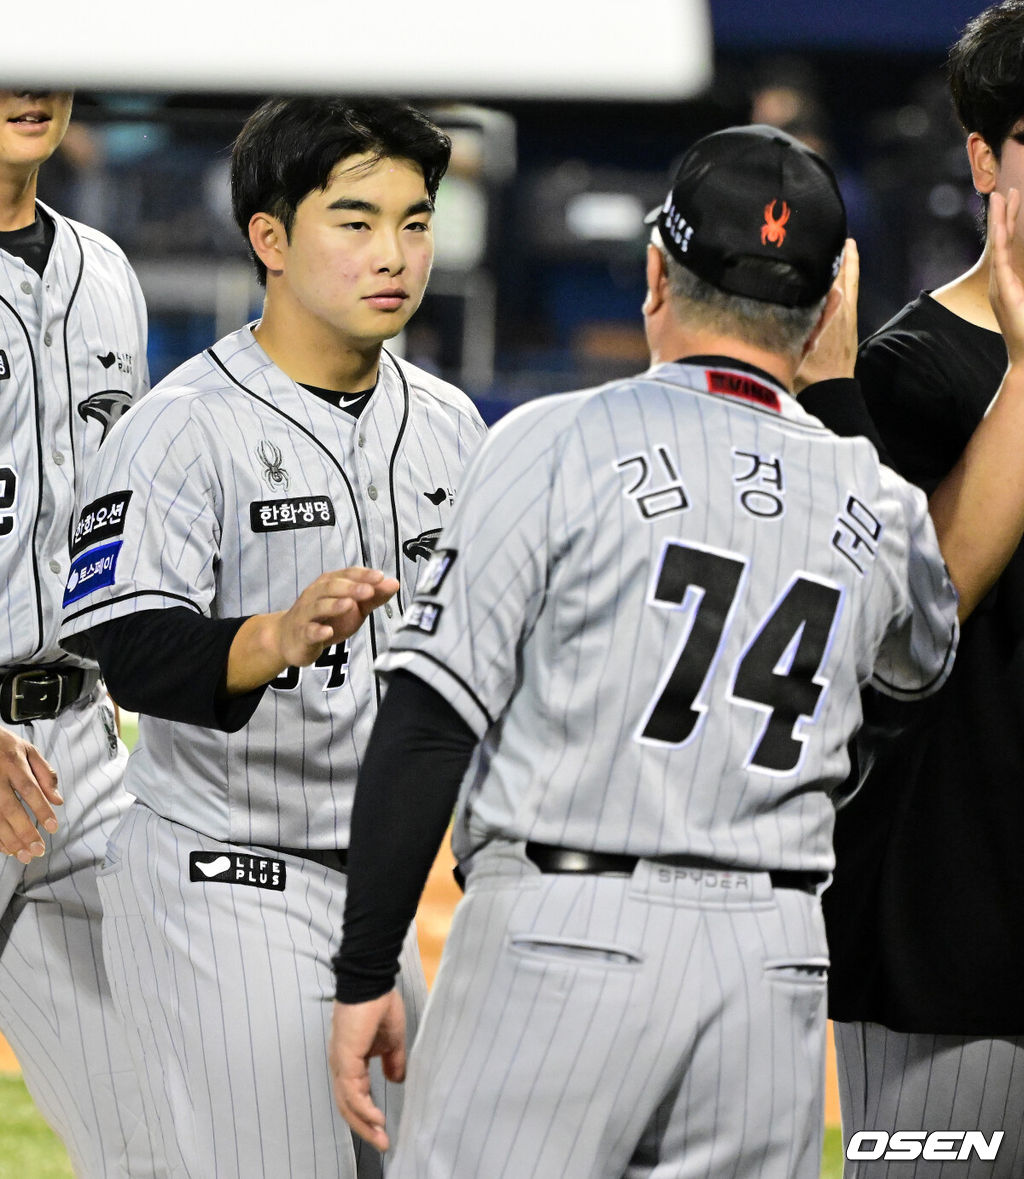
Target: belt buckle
pixel 33 695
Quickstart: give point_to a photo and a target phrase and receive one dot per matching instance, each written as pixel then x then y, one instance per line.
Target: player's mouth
pixel 32 120
pixel 387 300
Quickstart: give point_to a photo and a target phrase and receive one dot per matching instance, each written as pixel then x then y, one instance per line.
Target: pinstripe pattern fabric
pixel 583 1027
pixel 192 459
pixel 924 1082
pixel 55 1004
pixel 550 621
pixel 656 604
pixel 74 357
pixel 228 994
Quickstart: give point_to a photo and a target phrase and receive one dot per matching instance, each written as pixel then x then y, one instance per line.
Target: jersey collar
pixel 740 380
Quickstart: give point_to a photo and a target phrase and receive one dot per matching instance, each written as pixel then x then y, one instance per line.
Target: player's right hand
pixel 1006 291
pixel 360 1031
pixel 834 353
pixel 27 780
pixel 329 611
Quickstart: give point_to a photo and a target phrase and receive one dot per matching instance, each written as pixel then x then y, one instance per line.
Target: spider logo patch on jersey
pixel 105 408
pixel 274 474
pixel 435 571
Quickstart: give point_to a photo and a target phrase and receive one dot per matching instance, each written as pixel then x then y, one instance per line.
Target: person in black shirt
pixel 922 914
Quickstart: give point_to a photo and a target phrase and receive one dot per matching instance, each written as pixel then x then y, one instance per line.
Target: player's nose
pixel 391 256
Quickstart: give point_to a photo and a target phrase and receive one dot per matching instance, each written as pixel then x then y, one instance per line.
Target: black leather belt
pixel 41 692
pixel 564 859
pixel 336 858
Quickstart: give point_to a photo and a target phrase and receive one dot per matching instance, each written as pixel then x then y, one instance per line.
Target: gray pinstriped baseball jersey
pixel 72 360
pixel 235 489
pixel 657 602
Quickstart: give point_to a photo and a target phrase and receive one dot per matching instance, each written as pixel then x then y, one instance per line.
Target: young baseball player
pixel 241 561
pixel 649 621
pixel 72 359
pixel 922 921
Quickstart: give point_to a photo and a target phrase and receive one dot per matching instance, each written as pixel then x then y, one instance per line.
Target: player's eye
pixel 355 225
pixel 418 226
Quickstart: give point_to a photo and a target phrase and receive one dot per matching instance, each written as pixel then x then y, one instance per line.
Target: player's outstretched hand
pixel 1005 289
pixel 328 611
pixel 27 780
pixel 835 351
pixel 360 1031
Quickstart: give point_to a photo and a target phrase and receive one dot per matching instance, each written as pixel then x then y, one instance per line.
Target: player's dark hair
pixel 767 325
pixel 986 73
pixel 289 147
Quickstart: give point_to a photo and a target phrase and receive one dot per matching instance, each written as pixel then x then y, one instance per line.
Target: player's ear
pixel 984 165
pixel 657 281
pixel 269 241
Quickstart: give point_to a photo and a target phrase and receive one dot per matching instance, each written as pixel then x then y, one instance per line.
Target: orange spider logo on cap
pixel 773 229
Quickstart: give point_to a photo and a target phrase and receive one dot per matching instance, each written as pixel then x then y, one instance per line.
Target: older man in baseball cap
pixel 639 650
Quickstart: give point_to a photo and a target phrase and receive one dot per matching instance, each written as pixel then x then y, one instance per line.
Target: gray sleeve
pixel 917 653
pixel 148 534
pixel 484 586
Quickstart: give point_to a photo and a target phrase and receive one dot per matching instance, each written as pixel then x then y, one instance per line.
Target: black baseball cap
pixel 755 212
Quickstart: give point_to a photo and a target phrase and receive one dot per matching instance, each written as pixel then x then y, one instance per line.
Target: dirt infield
pixel 432 923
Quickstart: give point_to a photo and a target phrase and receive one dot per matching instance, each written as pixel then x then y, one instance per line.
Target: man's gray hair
pixel 765 325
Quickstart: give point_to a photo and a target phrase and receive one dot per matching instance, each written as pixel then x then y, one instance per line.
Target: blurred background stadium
pixel 538 279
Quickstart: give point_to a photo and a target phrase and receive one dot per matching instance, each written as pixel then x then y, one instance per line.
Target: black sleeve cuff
pixel 172 663
pixel 418 754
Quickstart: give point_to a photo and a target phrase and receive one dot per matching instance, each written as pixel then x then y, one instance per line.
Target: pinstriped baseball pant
pixel 922 1082
pixel 661 1026
pixel 227 993
pixel 55 1003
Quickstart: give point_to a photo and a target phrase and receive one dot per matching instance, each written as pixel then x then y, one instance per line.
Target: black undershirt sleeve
pixel 172 663
pixel 417 757
pixel 840 405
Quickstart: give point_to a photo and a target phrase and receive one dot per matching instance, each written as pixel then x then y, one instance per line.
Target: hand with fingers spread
pixel 835 352
pixel 1005 289
pixel 360 1031
pixel 28 794
pixel 329 610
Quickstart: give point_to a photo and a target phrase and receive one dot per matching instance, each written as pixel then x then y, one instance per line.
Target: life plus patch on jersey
pixel 423 616
pixel 738 385
pixel 103 519
pixel 236 868
pixel 92 571
pixel 282 515
pixel 5 366
pixel 435 571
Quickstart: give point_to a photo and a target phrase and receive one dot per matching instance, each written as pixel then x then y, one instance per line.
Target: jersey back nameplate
pixel 281 515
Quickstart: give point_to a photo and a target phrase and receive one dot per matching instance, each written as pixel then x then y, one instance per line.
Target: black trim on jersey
pixel 127 598
pixel 39 475
pixel 457 678
pixel 341 471
pixel 67 362
pixel 898 693
pixel 391 481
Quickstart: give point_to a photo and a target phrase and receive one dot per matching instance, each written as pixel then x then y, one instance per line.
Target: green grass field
pixel 30 1150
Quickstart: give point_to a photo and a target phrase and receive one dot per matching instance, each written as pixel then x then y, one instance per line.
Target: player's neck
pixel 17 199
pixel 967 295
pixel 311 354
pixel 684 342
